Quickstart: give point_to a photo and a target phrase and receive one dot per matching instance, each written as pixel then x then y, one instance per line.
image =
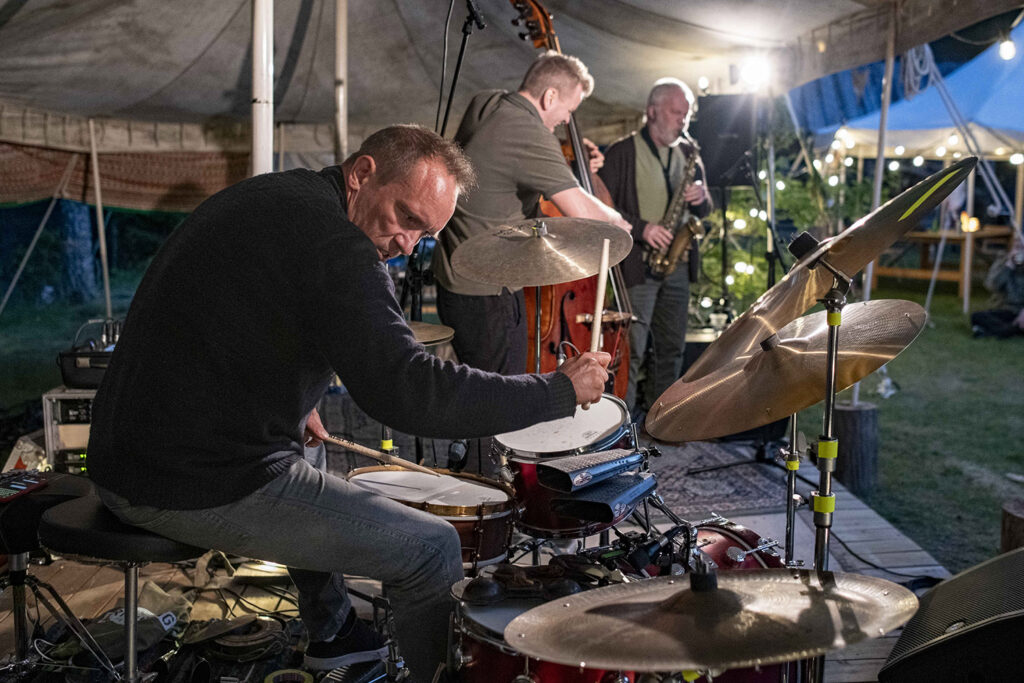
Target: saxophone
pixel 680 222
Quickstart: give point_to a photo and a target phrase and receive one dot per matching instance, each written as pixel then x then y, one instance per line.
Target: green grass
pixel 951 433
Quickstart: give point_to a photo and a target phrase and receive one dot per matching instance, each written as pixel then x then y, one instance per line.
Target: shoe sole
pixel 327 663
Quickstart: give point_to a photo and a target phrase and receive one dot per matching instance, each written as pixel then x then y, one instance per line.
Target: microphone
pixel 645 554
pixel 457 455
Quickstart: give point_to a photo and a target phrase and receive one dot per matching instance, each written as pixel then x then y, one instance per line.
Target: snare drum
pixel 603 426
pixel 483 656
pixel 478 508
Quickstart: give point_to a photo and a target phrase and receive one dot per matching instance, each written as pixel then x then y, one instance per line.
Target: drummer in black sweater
pixel 205 430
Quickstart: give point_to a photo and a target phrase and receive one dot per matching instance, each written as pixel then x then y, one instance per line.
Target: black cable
pixel 444 67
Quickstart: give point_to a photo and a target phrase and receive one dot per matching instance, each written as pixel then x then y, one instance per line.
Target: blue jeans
pixel 662 307
pixel 320 526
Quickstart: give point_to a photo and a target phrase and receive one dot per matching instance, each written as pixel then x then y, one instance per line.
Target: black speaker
pixel 724 128
pixel 969 629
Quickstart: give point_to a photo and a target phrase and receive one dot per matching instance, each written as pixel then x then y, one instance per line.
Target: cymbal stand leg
pixel 823 501
pixel 387 443
pixel 536 330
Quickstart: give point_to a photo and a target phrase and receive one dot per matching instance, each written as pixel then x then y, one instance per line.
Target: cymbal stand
pixel 792 459
pixel 540 229
pixel 823 501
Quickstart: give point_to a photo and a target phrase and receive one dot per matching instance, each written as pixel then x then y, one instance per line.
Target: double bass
pixel 567 310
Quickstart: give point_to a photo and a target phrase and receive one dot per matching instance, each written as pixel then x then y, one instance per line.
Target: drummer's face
pixel 396 215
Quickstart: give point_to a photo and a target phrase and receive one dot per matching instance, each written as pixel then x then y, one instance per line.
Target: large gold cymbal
pixel 754 617
pixel 848 252
pixel 760 386
pixel 525 254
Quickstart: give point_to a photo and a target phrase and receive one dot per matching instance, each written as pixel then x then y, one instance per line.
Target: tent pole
pixel 1018 201
pixel 280 146
pixel 262 86
pixel 100 226
pixel 61 186
pixel 340 80
pixel 967 251
pixel 876 195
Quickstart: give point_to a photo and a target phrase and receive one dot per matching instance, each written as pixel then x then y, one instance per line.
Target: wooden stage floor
pixel 92 590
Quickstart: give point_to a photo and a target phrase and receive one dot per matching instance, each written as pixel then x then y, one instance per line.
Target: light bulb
pixel 1007 50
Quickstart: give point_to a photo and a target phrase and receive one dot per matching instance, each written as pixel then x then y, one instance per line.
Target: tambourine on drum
pixel 480 509
pixel 603 426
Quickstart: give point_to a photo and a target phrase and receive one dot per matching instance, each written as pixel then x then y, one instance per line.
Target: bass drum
pixel 603 426
pixel 483 656
pixel 722 542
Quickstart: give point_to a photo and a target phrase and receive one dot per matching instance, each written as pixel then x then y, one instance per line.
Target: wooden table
pixel 961 275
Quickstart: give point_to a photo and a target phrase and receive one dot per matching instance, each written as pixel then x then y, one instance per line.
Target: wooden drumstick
pixel 595 326
pixel 379 456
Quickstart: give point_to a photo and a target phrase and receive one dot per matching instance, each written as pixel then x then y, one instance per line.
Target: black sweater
pixel 233 336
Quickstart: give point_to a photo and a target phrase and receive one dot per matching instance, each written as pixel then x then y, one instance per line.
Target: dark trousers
pixel 490 334
pixel 995 322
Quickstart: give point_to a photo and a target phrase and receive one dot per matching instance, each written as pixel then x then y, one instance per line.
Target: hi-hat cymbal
pixel 546 251
pixel 429 334
pixel 848 252
pixel 763 385
pixel 754 617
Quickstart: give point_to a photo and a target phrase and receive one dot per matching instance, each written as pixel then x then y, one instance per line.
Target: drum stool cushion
pixel 19 519
pixel 86 527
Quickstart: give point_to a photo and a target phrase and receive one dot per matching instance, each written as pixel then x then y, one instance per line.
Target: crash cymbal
pixel 763 385
pixel 754 617
pixel 545 251
pixel 848 252
pixel 429 334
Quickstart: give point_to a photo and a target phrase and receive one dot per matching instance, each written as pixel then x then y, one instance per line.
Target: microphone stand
pixel 773 252
pixel 473 16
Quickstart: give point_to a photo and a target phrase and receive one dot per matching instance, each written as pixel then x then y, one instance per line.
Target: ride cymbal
pixel 771 382
pixel 754 617
pixel 848 252
pixel 546 251
pixel 429 334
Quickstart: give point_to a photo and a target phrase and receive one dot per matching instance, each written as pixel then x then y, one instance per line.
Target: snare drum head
pixel 491 620
pixel 426 490
pixel 581 432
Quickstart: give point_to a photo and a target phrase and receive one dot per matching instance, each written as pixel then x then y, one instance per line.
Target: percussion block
pixel 968 629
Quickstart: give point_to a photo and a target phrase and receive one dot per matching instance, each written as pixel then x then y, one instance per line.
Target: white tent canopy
pixel 176 75
pixel 988 91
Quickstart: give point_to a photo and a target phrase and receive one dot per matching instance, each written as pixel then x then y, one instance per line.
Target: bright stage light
pixel 755 72
pixel 894 165
pixel 953 139
pixel 918 160
pixel 829 158
pixel 817 164
pixel 1007 50
pixel 780 186
pixel 762 174
pixel 739 224
pixel 705 302
pixel 940 151
pixel 750 269
pixel 703 83
pixel 1017 159
pixel 763 215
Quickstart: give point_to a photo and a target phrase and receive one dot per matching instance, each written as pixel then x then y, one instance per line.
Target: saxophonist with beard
pixel 656 180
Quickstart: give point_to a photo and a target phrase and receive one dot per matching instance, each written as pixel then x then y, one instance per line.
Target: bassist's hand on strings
pixel 595 156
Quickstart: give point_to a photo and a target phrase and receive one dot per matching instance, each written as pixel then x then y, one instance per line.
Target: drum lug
pixel 460 658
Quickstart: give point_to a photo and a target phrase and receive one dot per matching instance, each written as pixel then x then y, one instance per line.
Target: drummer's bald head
pixel 555 70
pixel 397 149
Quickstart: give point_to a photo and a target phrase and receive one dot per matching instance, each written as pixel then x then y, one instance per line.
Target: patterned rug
pixel 752 488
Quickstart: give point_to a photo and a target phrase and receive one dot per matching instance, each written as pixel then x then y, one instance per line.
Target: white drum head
pixel 567 434
pixel 422 488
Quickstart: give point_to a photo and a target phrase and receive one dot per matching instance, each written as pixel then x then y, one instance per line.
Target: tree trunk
pixel 78 281
pixel 856 427
pixel 1012 536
